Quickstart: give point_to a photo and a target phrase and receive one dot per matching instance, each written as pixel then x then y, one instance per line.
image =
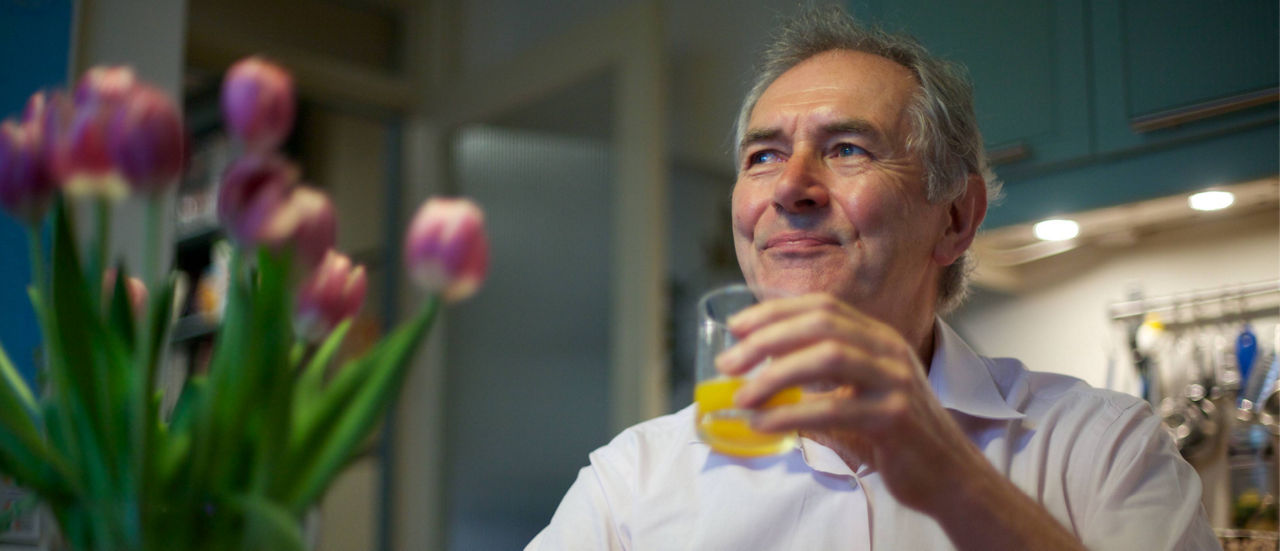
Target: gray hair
pixel 944 127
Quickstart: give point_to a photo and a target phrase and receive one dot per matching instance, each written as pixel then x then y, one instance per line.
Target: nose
pixel 800 188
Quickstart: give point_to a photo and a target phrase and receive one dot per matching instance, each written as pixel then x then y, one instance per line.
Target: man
pixel 861 184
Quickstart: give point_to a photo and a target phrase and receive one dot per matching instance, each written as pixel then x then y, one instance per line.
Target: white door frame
pixel 628 43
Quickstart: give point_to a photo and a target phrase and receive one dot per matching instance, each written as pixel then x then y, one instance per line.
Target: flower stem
pixel 41 286
pixel 149 421
pixel 98 253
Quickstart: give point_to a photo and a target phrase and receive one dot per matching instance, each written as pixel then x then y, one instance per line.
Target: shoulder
pixel 660 437
pixel 1054 395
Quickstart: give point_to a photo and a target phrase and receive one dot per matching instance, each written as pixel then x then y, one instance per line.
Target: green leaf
pixel 14 392
pixel 312 378
pixel 71 314
pixel 268 526
pixel 25 453
pixel 121 310
pixel 320 458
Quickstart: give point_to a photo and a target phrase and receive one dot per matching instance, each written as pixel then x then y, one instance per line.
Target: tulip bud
pixel 33 115
pixel 77 134
pixel 253 188
pixel 258 103
pixel 146 140
pixel 104 84
pixel 25 183
pixel 446 249
pixel 316 224
pixel 334 292
pixel 51 115
pixel 134 286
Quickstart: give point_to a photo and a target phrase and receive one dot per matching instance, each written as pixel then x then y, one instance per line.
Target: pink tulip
pixel 34 115
pixel 25 183
pixel 51 117
pixel 334 292
pixel 315 224
pixel 105 84
pixel 134 286
pixel 146 140
pixel 258 103
pixel 446 249
pixel 253 188
pixel 261 204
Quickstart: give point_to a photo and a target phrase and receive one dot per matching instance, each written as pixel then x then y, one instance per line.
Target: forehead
pixel 838 84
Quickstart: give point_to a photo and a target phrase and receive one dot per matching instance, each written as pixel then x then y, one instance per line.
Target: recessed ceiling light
pixel 1211 200
pixel 1056 229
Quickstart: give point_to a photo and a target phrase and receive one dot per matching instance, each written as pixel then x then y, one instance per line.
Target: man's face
pixel 828 197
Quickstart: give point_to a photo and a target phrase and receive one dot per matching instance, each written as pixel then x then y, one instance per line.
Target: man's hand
pixel 874 405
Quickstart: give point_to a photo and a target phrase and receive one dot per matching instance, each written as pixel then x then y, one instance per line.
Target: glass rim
pixel 705 317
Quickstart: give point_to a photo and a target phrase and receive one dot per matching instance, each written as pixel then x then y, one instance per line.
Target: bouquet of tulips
pixel 253 443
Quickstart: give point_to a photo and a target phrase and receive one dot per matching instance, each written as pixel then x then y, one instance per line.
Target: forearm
pixel 989 512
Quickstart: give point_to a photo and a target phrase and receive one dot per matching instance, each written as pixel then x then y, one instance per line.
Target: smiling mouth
pixel 798 242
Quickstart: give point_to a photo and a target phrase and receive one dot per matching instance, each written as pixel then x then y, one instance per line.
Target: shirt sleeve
pixel 583 521
pixel 1147 496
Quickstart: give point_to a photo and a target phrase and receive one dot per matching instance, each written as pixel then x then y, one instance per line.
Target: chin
pixel 795 283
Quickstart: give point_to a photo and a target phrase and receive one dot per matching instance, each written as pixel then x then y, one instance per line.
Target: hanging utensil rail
pixel 1221 296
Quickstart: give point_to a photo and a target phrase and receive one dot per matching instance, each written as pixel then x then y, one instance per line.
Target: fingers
pixel 826 363
pixel 865 415
pixel 775 328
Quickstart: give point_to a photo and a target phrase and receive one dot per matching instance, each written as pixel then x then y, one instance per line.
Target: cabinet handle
pixel 1008 154
pixel 1203 110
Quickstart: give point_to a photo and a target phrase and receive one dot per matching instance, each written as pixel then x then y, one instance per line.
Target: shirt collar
pixel 961 380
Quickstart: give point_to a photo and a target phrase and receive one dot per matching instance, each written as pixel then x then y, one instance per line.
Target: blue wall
pixel 35 45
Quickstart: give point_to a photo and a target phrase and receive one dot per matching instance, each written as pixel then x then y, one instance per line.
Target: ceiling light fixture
pixel 1211 200
pixel 1057 229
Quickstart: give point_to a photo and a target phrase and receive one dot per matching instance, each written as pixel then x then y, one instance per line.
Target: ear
pixel 965 214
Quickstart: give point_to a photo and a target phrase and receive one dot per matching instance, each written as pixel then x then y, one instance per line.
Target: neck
pixel 921 338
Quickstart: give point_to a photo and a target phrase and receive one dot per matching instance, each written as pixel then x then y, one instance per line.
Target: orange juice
pixel 728 430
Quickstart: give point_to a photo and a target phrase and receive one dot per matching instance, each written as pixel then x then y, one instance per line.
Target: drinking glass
pixel 726 428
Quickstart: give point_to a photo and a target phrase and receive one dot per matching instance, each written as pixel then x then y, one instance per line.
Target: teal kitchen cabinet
pixel 1028 60
pixel 1092 103
pixel 35 45
pixel 1173 70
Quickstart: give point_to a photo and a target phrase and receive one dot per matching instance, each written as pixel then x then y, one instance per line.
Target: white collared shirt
pixel 1097 460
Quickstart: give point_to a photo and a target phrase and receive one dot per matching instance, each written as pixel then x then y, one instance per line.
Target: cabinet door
pixel 1027 59
pixel 1155 58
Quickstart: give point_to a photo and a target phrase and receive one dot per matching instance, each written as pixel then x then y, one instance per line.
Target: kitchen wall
pixel 1061 323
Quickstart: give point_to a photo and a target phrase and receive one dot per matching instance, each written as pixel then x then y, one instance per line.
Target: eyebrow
pixel 845 126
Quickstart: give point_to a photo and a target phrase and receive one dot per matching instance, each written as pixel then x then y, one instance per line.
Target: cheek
pixel 746 209
pixel 868 208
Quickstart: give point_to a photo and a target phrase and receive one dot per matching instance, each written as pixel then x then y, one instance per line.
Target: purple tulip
pixel 261 204
pixel 146 140
pixel 446 249
pixel 258 103
pixel 334 292
pixel 25 183
pixel 253 189
pixel 315 224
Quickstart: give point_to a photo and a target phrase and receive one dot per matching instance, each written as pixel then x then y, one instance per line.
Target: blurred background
pixel 597 136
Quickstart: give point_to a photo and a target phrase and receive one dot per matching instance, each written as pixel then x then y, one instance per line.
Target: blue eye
pixel 848 149
pixel 766 156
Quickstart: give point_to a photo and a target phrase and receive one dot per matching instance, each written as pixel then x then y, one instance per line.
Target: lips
pixel 799 241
